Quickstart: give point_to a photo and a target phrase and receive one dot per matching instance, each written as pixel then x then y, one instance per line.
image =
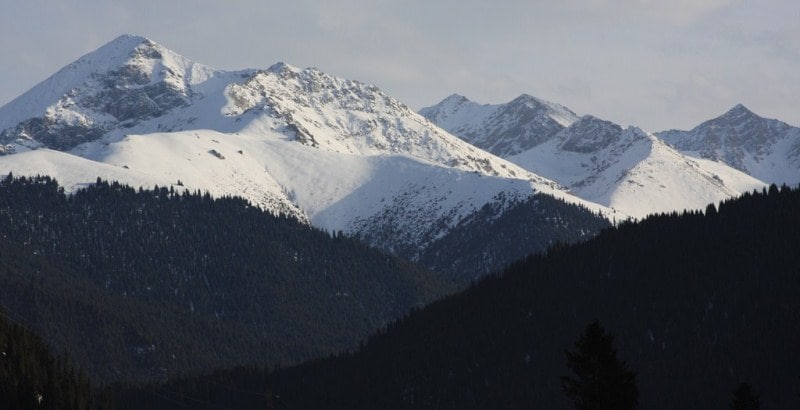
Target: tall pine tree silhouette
pixel 601 381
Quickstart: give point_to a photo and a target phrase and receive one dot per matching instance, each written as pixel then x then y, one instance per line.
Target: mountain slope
pixel 630 170
pixel 766 149
pixel 627 170
pixel 396 203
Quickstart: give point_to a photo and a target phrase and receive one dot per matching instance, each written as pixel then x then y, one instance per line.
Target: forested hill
pixel 697 303
pixel 146 285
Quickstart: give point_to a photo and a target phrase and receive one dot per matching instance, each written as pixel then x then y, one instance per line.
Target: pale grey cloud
pixel 652 63
pixel 680 12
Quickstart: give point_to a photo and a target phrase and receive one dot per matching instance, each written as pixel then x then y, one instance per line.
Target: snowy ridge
pixel 398 202
pixel 628 170
pixel 347 116
pixel 504 129
pixel 766 149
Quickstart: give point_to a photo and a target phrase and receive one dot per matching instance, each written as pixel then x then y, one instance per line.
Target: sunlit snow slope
pixel 629 170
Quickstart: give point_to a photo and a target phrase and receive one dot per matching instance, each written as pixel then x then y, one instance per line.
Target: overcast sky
pixel 657 64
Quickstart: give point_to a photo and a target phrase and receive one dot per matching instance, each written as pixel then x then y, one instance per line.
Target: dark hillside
pixel 146 285
pixel 491 239
pixel 697 304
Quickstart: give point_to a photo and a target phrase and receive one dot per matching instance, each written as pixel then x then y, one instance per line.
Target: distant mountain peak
pixel 767 149
pixel 126 42
pixel 502 129
pixel 281 68
pixel 739 110
pixel 455 98
pixel 118 52
pixel 129 38
pixel 527 98
pixel 446 108
pixel 124 82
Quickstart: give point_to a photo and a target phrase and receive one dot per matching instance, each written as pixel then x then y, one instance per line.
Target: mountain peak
pixel 447 108
pixel 119 50
pixel 526 98
pixel 452 101
pixel 455 98
pixel 128 80
pixel 736 116
pixel 129 40
pixel 502 129
pixel 281 67
pixel 764 148
pixel 738 110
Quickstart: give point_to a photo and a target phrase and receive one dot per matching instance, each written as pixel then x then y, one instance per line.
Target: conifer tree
pixel 744 398
pixel 601 381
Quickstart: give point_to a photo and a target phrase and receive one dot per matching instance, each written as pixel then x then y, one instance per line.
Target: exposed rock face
pixel 591 134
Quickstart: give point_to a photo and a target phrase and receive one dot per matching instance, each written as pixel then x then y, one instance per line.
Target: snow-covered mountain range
pixel 626 169
pixel 337 153
pixel 503 129
pixel 764 148
pixel 345 156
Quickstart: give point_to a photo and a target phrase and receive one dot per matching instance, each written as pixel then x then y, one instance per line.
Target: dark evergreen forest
pixel 151 284
pixel 32 378
pixel 698 304
pixel 491 239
